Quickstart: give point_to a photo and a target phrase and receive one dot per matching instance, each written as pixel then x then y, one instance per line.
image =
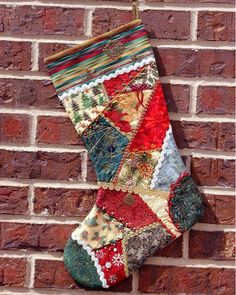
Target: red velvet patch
pixel 111 260
pixel 152 130
pixel 115 85
pixel 124 206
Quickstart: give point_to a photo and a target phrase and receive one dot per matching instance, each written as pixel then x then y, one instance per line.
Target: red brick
pixel 91 175
pixel 40 165
pixel 216 26
pixel 56 130
pixel 194 1
pixel 105 20
pixel 212 245
pixel 41 20
pixel 195 135
pixel 12 272
pixel 220 210
pixel 187 280
pixel 226 137
pixel 195 63
pixel 177 97
pixel 159 24
pixel 50 237
pixel 14 128
pixel 213 172
pixel 47 49
pixel 63 202
pixel 216 100
pixel 173 250
pixel 15 55
pixel 20 93
pixel 52 274
pixel 13 200
pixel 167 24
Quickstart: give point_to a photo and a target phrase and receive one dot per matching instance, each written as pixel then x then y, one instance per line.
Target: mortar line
pixel 173 116
pixel 88 22
pixel 34 56
pixel 125 6
pixel 193 99
pixel 161 43
pixel 199 263
pixel 33 129
pixel 214 154
pixel 194 25
pixel 186 245
pixel 31 199
pixel 167 79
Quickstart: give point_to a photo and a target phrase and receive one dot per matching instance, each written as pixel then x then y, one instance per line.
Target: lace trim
pixel 108 77
pixel 93 257
pixel 162 157
pixel 135 190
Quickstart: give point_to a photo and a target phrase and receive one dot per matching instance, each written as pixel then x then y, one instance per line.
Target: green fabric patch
pixel 80 265
pixel 186 204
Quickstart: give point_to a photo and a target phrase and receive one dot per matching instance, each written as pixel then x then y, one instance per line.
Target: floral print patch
pixel 99 229
pixel 138 168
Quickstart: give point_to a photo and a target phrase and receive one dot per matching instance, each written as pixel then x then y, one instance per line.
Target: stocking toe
pixel 80 265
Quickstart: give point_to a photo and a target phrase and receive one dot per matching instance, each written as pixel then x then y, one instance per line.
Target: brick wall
pixel 48 184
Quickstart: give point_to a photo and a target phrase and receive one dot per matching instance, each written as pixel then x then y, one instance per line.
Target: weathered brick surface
pixel 194 1
pixel 63 202
pixel 173 250
pixel 22 93
pixel 220 210
pixel 56 130
pixel 177 97
pixel 13 200
pixel 207 136
pixel 15 55
pixel 40 165
pixel 32 20
pixel 192 63
pixel 160 24
pixel 14 128
pixel 213 172
pixel 216 26
pixel 12 272
pixel 216 100
pixel 175 280
pixel 47 49
pixel 50 237
pixel 212 245
pixel 52 274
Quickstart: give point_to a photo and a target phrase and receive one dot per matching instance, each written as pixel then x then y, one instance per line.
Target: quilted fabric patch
pixel 84 107
pixel 99 229
pixel 124 206
pixel 106 146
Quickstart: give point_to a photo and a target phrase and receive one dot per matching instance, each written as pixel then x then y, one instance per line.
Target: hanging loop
pixel 135 8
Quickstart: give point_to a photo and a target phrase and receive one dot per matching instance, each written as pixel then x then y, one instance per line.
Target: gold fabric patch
pixel 99 229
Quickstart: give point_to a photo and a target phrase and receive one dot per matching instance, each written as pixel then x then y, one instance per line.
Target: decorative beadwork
pixel 114 49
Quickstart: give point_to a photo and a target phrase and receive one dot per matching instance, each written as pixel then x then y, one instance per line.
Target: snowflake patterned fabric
pixel 110 88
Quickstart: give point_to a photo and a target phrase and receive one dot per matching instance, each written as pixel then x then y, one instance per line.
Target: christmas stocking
pixel 110 89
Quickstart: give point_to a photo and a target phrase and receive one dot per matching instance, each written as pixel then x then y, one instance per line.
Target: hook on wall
pixel 135 4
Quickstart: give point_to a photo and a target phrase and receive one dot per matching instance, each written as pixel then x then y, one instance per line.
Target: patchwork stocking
pixel 110 88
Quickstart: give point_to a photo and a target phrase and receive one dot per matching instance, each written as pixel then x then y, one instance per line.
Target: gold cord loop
pixel 135 8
